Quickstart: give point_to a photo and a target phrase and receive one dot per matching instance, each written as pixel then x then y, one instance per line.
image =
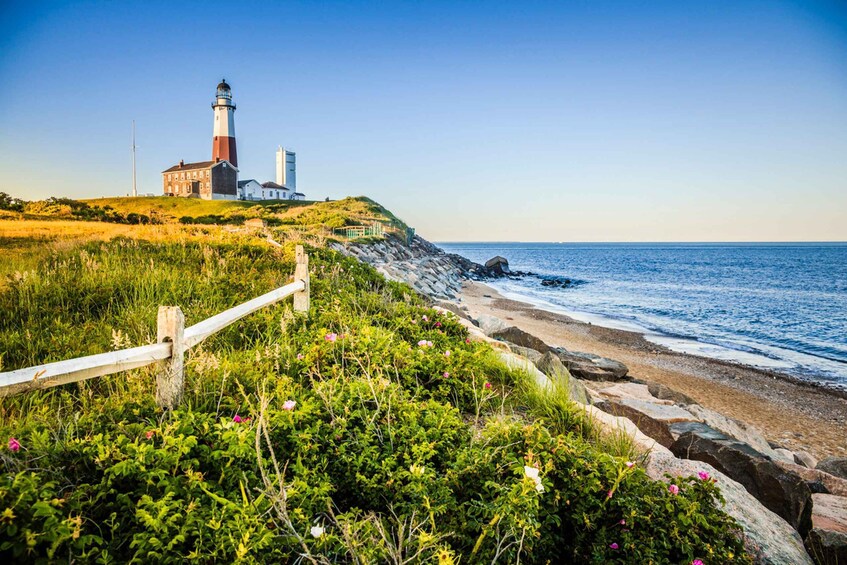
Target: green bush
pixel 371 430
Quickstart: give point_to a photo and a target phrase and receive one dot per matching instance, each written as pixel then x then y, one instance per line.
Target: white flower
pixel 532 473
pixel 317 531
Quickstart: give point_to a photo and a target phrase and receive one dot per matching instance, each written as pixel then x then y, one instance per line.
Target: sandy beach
pixel 790 413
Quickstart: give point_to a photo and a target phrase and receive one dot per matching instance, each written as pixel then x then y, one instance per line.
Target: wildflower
pixel 331 337
pixel 446 374
pixel 532 473
pixel 149 434
pixel 425 319
pixel 414 321
pixel 487 386
pixel 447 353
pixel 673 489
pixel 237 419
pixel 697 562
pixel 437 324
pixel 289 405
pixel 300 356
pixel 467 340
pixel 422 343
pixel 630 464
pixel 14 445
pixel 429 344
pixel 704 476
pixel 613 545
pixel 622 522
pixel 609 494
pixel 317 531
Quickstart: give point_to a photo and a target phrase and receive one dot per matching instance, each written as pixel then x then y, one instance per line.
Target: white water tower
pixel 286 170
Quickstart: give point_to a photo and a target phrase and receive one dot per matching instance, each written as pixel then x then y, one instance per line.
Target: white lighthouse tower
pixel 223 141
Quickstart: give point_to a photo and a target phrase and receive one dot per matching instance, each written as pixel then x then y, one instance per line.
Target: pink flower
pixel 467 340
pixel 437 324
pixel 630 464
pixel 331 337
pixel 697 562
pixel 622 522
pixel 14 445
pixel 289 405
pixel 487 385
pixel 704 476
pixel 414 321
pixel 425 319
pixel 429 344
pixel 673 489
pixel 613 545
pixel 300 356
pixel 237 419
pixel 422 343
pixel 609 494
pixel 446 374
pixel 447 353
pixel 150 434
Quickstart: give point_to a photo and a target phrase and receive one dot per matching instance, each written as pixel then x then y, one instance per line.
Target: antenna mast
pixel 134 186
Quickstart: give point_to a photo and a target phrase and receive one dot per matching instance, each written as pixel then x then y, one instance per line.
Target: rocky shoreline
pixel 789 504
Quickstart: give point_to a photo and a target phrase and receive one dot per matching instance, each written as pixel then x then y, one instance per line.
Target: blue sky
pixel 560 121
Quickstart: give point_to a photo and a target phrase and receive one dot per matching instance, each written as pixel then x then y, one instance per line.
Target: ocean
pixel 780 306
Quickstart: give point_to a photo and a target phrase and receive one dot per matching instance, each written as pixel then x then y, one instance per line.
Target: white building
pixel 286 169
pixel 285 187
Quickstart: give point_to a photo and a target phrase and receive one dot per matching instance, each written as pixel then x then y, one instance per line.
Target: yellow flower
pixel 7 516
pixel 445 557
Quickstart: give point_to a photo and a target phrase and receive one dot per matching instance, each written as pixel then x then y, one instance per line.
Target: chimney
pixel 217 159
pixel 181 163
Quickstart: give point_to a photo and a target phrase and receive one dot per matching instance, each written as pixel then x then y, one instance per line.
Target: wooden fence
pixel 174 339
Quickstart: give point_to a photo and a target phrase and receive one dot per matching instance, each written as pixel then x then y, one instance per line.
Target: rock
pixel 498 265
pixel 522 338
pixel 591 367
pixel 530 354
pixel 817 480
pixel 834 466
pixel 828 539
pixel 780 490
pixel 766 536
pixel 514 361
pixel 805 459
pixel 651 418
pixel 829 512
pixel 550 365
pixel 664 393
pixel 620 425
pixel 490 324
pixel 634 391
pixel 733 428
pixel 829 548
pixel 784 454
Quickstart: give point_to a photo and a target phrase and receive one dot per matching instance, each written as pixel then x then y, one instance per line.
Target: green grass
pixel 398 451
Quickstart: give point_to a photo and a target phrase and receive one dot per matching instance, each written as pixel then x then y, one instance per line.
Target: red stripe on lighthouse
pixel 224 148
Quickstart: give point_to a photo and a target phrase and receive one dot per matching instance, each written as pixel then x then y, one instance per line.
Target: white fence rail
pixel 173 340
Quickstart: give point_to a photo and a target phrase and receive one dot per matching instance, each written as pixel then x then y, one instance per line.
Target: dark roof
pixel 299 194
pixel 190 166
pixel 270 184
pixel 223 85
pixel 243 183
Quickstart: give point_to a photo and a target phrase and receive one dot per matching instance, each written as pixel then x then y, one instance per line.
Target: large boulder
pixel 734 428
pixel 490 324
pixel 828 540
pixel 834 466
pixel 497 265
pixel 818 481
pixel 780 490
pixel 828 547
pixel 522 338
pixel 591 367
pixel 611 424
pixel 666 393
pixel 766 536
pixel 631 390
pixel 514 361
pixel 550 365
pixel 652 418
pixel 530 354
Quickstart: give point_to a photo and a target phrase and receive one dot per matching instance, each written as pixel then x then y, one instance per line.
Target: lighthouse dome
pixel 223 85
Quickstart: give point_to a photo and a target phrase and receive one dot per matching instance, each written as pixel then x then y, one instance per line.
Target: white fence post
pixel 301 273
pixel 169 381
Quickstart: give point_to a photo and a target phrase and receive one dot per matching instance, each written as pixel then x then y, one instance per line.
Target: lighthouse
pixel 223 141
